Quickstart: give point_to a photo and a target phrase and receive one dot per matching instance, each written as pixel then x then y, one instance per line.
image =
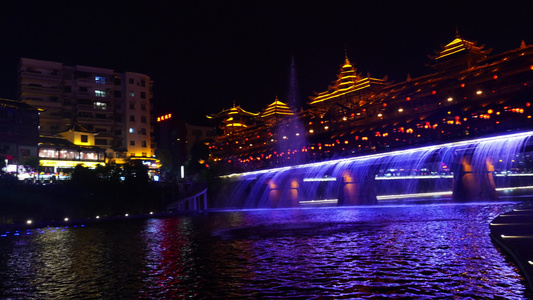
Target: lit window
pixel 99 93
pixel 100 105
pixel 132 94
pixel 99 79
pixel 131 130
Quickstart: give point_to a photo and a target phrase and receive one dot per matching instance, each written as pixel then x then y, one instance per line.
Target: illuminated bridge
pixel 477 169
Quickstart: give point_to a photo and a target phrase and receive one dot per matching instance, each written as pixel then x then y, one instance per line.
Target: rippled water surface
pixel 420 251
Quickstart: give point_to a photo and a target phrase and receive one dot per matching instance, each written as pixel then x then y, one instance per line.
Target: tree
pixel 33 162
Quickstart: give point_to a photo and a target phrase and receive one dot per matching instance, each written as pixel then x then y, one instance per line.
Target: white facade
pixel 115 105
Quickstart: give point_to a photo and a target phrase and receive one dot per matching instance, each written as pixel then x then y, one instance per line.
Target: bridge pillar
pixel 356 189
pixel 474 182
pixel 284 193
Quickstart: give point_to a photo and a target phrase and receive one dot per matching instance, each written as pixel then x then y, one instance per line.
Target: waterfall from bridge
pixel 466 168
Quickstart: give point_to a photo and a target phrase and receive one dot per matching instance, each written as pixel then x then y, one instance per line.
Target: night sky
pixel 204 55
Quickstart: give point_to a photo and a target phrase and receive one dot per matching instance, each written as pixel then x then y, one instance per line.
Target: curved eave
pixel 361 84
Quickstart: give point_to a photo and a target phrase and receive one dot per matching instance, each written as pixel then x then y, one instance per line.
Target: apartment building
pixel 116 106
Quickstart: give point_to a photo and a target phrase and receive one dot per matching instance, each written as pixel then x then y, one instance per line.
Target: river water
pixel 412 251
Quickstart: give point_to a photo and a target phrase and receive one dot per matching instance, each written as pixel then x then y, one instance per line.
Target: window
pixel 143 107
pixel 117 81
pixel 143 119
pixel 131 80
pixel 131 130
pixel 132 94
pixel 102 142
pixel 48 153
pixel 143 144
pixel 132 118
pixel 67 89
pixel 99 93
pixel 143 95
pixel 132 143
pixel 82 101
pixel 84 138
pixel 117 94
pixel 132 105
pixel 85 114
pixel 143 82
pixel 83 89
pixel 100 105
pixel 143 131
pixel 118 132
pixel 99 79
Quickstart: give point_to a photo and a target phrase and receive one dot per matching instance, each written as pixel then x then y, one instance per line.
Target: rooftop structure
pixel 348 82
pixel 234 119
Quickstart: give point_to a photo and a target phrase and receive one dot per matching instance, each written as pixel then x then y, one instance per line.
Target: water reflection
pixel 170 261
pixel 406 251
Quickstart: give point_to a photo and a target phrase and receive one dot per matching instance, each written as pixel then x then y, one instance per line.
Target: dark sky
pixel 203 55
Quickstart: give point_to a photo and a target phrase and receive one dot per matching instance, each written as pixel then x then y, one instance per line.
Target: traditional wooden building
pixel 60 153
pixel 468 93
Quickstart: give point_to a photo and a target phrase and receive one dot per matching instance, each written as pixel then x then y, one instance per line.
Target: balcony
pixel 56 90
pixel 40 76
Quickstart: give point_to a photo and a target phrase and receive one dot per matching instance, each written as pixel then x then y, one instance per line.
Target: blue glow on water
pixel 388 251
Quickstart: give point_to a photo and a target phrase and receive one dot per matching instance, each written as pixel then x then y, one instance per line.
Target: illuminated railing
pixel 319 179
pixel 385 154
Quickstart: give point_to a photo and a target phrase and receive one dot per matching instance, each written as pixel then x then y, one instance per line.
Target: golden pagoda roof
pixel 277 108
pixel 460 45
pixel 235 110
pixel 347 81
